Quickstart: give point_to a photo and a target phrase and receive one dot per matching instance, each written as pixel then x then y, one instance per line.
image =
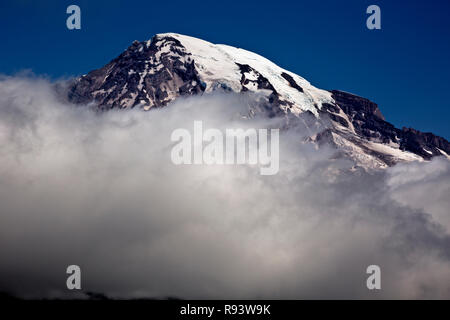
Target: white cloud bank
pixel 100 191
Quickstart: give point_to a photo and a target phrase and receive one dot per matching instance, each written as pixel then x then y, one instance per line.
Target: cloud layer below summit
pixel 100 191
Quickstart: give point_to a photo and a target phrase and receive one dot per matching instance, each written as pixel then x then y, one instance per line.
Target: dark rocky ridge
pixel 291 81
pixel 142 75
pixel 369 123
pixel 271 106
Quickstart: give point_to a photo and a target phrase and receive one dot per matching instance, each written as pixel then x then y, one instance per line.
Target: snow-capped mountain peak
pixel 151 74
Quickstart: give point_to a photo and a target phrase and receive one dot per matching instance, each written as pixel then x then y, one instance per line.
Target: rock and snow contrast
pixel 151 74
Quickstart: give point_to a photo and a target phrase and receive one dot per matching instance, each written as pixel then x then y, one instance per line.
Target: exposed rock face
pixel 425 144
pixel 147 75
pixel 369 123
pixel 356 107
pixel 291 81
pixel 153 73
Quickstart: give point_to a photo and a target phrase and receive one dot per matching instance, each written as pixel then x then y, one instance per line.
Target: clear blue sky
pixel 404 67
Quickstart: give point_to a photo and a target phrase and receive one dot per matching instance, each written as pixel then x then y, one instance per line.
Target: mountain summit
pixel 153 73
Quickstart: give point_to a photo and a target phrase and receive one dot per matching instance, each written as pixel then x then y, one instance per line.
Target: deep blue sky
pixel 404 67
